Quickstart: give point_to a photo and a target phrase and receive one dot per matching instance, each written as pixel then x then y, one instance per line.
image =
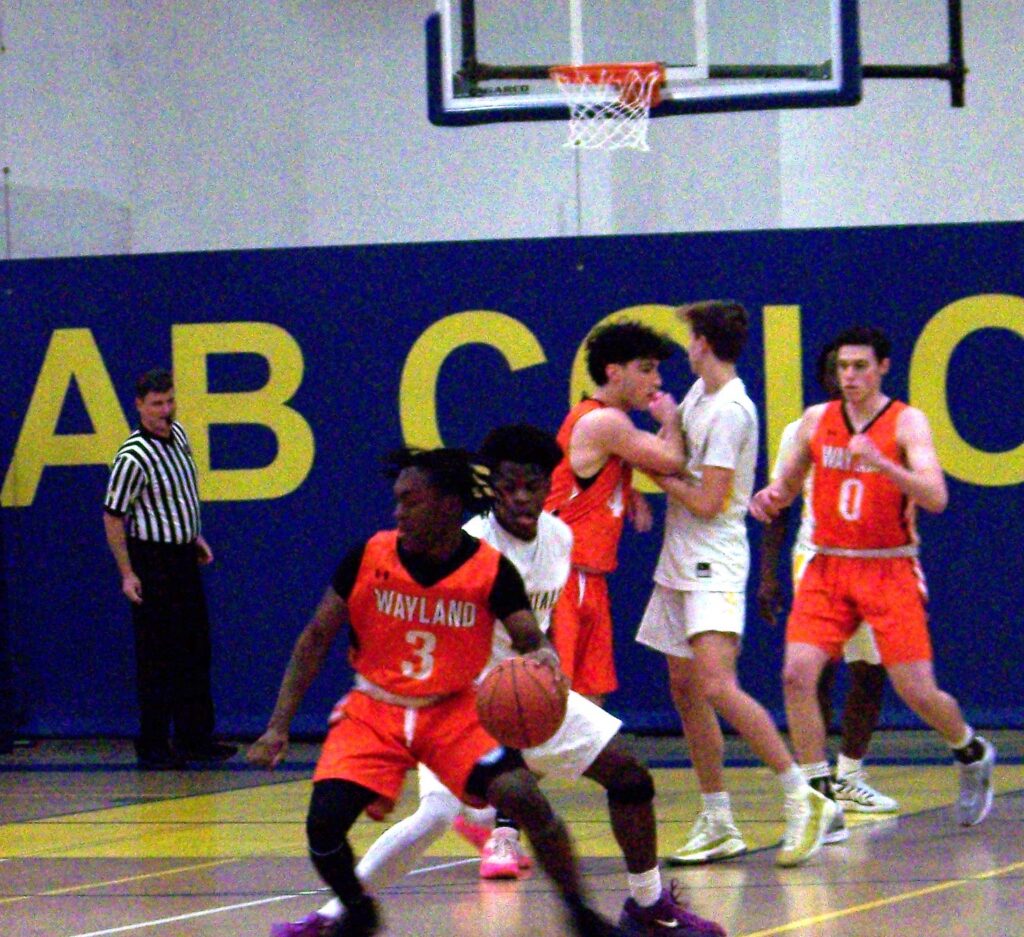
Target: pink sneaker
pixel 479 835
pixel 501 854
pixel 312 925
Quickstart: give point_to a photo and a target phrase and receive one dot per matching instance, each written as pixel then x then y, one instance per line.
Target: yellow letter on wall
pixel 192 344
pixel 929 372
pixel 417 395
pixel 72 354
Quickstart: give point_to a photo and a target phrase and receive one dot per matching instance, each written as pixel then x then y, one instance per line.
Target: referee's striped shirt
pixel 153 486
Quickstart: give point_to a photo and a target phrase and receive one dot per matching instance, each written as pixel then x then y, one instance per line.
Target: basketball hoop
pixel 609 104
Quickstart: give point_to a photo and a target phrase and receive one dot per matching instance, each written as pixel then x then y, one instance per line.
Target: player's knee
pixel 632 786
pixel 800 678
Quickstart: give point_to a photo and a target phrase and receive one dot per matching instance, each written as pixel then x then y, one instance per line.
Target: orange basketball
pixel 521 702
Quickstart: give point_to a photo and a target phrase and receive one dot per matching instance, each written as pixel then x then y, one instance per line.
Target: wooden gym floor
pixel 90 847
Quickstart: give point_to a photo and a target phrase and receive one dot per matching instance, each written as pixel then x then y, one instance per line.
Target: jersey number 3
pixel 422 644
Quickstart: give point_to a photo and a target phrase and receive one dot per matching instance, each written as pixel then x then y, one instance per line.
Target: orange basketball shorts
pixel 837 593
pixel 581 632
pixel 376 744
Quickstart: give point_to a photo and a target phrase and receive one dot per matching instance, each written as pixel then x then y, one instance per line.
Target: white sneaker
pixel 837 831
pixel 976 793
pixel 713 837
pixel 857 796
pixel 808 818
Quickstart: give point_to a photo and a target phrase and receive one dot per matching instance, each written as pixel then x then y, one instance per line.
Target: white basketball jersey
pixel 542 562
pixel 720 430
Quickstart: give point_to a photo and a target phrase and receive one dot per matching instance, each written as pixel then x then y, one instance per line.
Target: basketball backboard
pixel 488 60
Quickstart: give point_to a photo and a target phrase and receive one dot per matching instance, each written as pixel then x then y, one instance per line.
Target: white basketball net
pixel 609 107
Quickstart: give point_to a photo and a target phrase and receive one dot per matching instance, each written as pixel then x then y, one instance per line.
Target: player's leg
pixel 333 808
pixel 915 684
pixel 714 834
pixel 397 850
pixel 664 628
pixel 861 712
pixel 509 786
pixel 901 631
pixel 650 908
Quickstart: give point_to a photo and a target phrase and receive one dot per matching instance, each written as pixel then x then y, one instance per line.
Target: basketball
pixel 521 702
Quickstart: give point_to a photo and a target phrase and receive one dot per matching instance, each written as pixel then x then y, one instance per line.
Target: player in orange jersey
pixel 592 488
pixel 871 457
pixel 420 602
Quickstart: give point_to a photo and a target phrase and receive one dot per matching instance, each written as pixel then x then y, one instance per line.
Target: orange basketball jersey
pixel 595 513
pixel 418 640
pixel 855 506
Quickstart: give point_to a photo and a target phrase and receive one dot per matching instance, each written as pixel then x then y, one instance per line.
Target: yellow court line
pixel 85 886
pixel 884 902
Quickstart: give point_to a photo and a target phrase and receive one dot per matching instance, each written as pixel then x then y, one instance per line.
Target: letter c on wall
pixel 417 393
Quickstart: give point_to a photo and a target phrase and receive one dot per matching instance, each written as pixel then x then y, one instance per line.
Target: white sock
pixel 645 887
pixel 846 766
pixel 717 803
pixel 398 849
pixel 793 781
pixel 818 769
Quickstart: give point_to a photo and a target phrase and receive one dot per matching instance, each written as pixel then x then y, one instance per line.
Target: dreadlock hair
pixel 523 444
pixel 621 342
pixel 451 471
pixel 866 335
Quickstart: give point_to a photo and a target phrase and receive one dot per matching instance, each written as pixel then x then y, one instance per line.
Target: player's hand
pixel 639 513
pixel 268 750
pixel 547 655
pixel 864 450
pixel 769 598
pixel 766 505
pixel 204 555
pixel 662 407
pixel 132 588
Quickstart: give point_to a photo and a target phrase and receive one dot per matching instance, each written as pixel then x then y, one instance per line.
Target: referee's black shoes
pixel 208 753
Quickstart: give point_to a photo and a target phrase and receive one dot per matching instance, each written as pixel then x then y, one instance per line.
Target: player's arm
pixel 307 660
pixel 705 499
pixel 769 588
pixel 921 479
pixel 784 490
pixel 609 431
pixel 510 603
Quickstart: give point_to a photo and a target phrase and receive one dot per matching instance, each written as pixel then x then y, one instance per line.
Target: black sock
pixel 971 752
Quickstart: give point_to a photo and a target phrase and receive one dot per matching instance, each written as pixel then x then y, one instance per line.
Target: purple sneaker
pixel 667 915
pixel 312 925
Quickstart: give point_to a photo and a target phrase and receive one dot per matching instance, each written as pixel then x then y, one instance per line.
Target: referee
pixel 151 517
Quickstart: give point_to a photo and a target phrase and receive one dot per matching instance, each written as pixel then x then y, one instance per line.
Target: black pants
pixel 172 648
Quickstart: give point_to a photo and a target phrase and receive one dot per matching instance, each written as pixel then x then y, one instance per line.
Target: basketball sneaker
pixel 837 831
pixel 501 854
pixel 312 925
pixel 855 794
pixel 808 817
pixel 976 793
pixel 713 837
pixel 479 835
pixel 359 920
pixel 667 915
